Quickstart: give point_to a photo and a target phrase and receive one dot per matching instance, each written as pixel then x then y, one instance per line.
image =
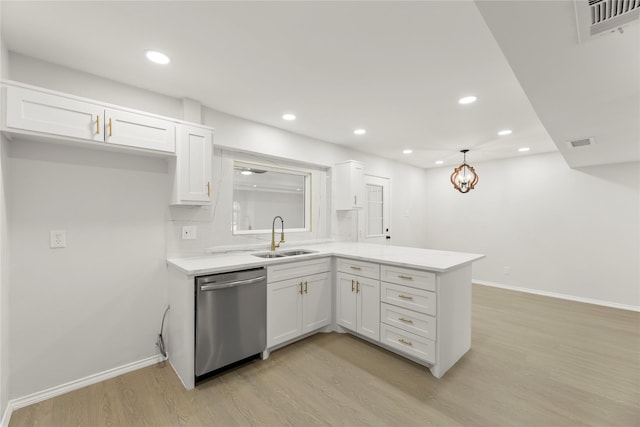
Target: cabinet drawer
pixel 406 342
pixel 296 269
pixel 411 298
pixel 359 268
pixel 406 276
pixel 410 321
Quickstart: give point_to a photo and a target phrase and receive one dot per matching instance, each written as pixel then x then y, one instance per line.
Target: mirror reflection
pixel 262 192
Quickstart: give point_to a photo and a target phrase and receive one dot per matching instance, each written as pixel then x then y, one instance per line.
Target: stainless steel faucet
pixel 273 233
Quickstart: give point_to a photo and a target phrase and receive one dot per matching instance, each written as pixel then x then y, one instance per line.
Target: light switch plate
pixel 188 232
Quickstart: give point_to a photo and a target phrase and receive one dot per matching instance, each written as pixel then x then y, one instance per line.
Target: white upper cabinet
pixel 349 185
pixel 194 149
pixel 50 114
pixel 140 131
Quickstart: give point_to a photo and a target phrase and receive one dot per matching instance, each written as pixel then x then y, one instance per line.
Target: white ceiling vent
pixel 604 16
pixel 581 142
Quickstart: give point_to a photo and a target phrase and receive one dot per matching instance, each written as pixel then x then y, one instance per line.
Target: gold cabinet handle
pixel 208 188
pixel 402 319
pixel 300 288
pixel 405 297
pixel 353 267
pixel 110 127
pixel 305 286
pixel 357 286
pixel 402 276
pixel 352 285
pixel 98 124
pixel 409 343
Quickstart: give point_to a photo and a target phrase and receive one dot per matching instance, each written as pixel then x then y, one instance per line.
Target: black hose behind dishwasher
pixel 160 341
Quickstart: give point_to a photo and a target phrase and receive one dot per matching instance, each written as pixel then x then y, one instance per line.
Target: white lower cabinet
pixel 409 320
pixel 358 298
pixel 407 342
pixel 298 305
pixel 422 315
pixel 409 307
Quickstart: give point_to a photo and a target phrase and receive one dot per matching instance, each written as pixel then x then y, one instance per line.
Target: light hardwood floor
pixel 535 361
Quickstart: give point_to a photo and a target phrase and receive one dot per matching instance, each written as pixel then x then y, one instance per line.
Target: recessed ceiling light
pixel 359 131
pixel 157 57
pixel 289 116
pixel 407 151
pixel 467 100
pixel 505 132
pixel 524 149
pixel 439 162
pixel 246 172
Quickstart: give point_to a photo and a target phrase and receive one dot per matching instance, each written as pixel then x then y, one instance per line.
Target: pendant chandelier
pixel 464 177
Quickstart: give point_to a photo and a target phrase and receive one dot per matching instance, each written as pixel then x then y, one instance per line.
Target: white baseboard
pixel 561 296
pixel 39 396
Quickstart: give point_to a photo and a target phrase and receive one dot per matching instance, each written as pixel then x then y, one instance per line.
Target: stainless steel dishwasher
pixel 231 319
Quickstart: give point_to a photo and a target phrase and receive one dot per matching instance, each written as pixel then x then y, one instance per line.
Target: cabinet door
pixel 284 311
pixel 368 309
pixel 316 302
pixel 140 131
pixel 52 114
pixel 346 301
pixel 193 174
pixel 349 181
pixel 357 185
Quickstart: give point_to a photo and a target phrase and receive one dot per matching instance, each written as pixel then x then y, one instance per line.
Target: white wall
pixel 560 230
pixel 4 255
pixel 4 283
pixel 98 303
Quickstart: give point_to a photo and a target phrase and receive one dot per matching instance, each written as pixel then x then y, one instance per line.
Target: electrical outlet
pixel 189 232
pixel 507 271
pixel 57 239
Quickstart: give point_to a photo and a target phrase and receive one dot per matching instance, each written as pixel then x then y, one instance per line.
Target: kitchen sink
pixel 269 255
pixel 292 252
pixel 295 252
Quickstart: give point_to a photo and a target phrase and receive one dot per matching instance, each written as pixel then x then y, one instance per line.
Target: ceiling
pixel 396 69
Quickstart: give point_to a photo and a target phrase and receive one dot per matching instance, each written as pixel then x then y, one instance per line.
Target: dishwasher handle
pixel 231 284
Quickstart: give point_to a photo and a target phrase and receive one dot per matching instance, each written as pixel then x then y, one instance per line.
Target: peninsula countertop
pixel 423 259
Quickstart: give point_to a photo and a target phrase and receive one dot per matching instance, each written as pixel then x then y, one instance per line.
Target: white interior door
pixel 376 209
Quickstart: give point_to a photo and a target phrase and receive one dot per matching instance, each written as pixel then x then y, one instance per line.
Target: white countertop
pixel 425 259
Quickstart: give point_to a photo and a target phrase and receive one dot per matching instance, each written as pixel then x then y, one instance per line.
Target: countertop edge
pixel 178 263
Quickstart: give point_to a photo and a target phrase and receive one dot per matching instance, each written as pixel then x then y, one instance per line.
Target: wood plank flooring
pixel 535 361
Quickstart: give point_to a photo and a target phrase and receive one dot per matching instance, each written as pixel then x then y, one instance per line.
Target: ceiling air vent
pixel 581 142
pixel 603 16
pixel 610 14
